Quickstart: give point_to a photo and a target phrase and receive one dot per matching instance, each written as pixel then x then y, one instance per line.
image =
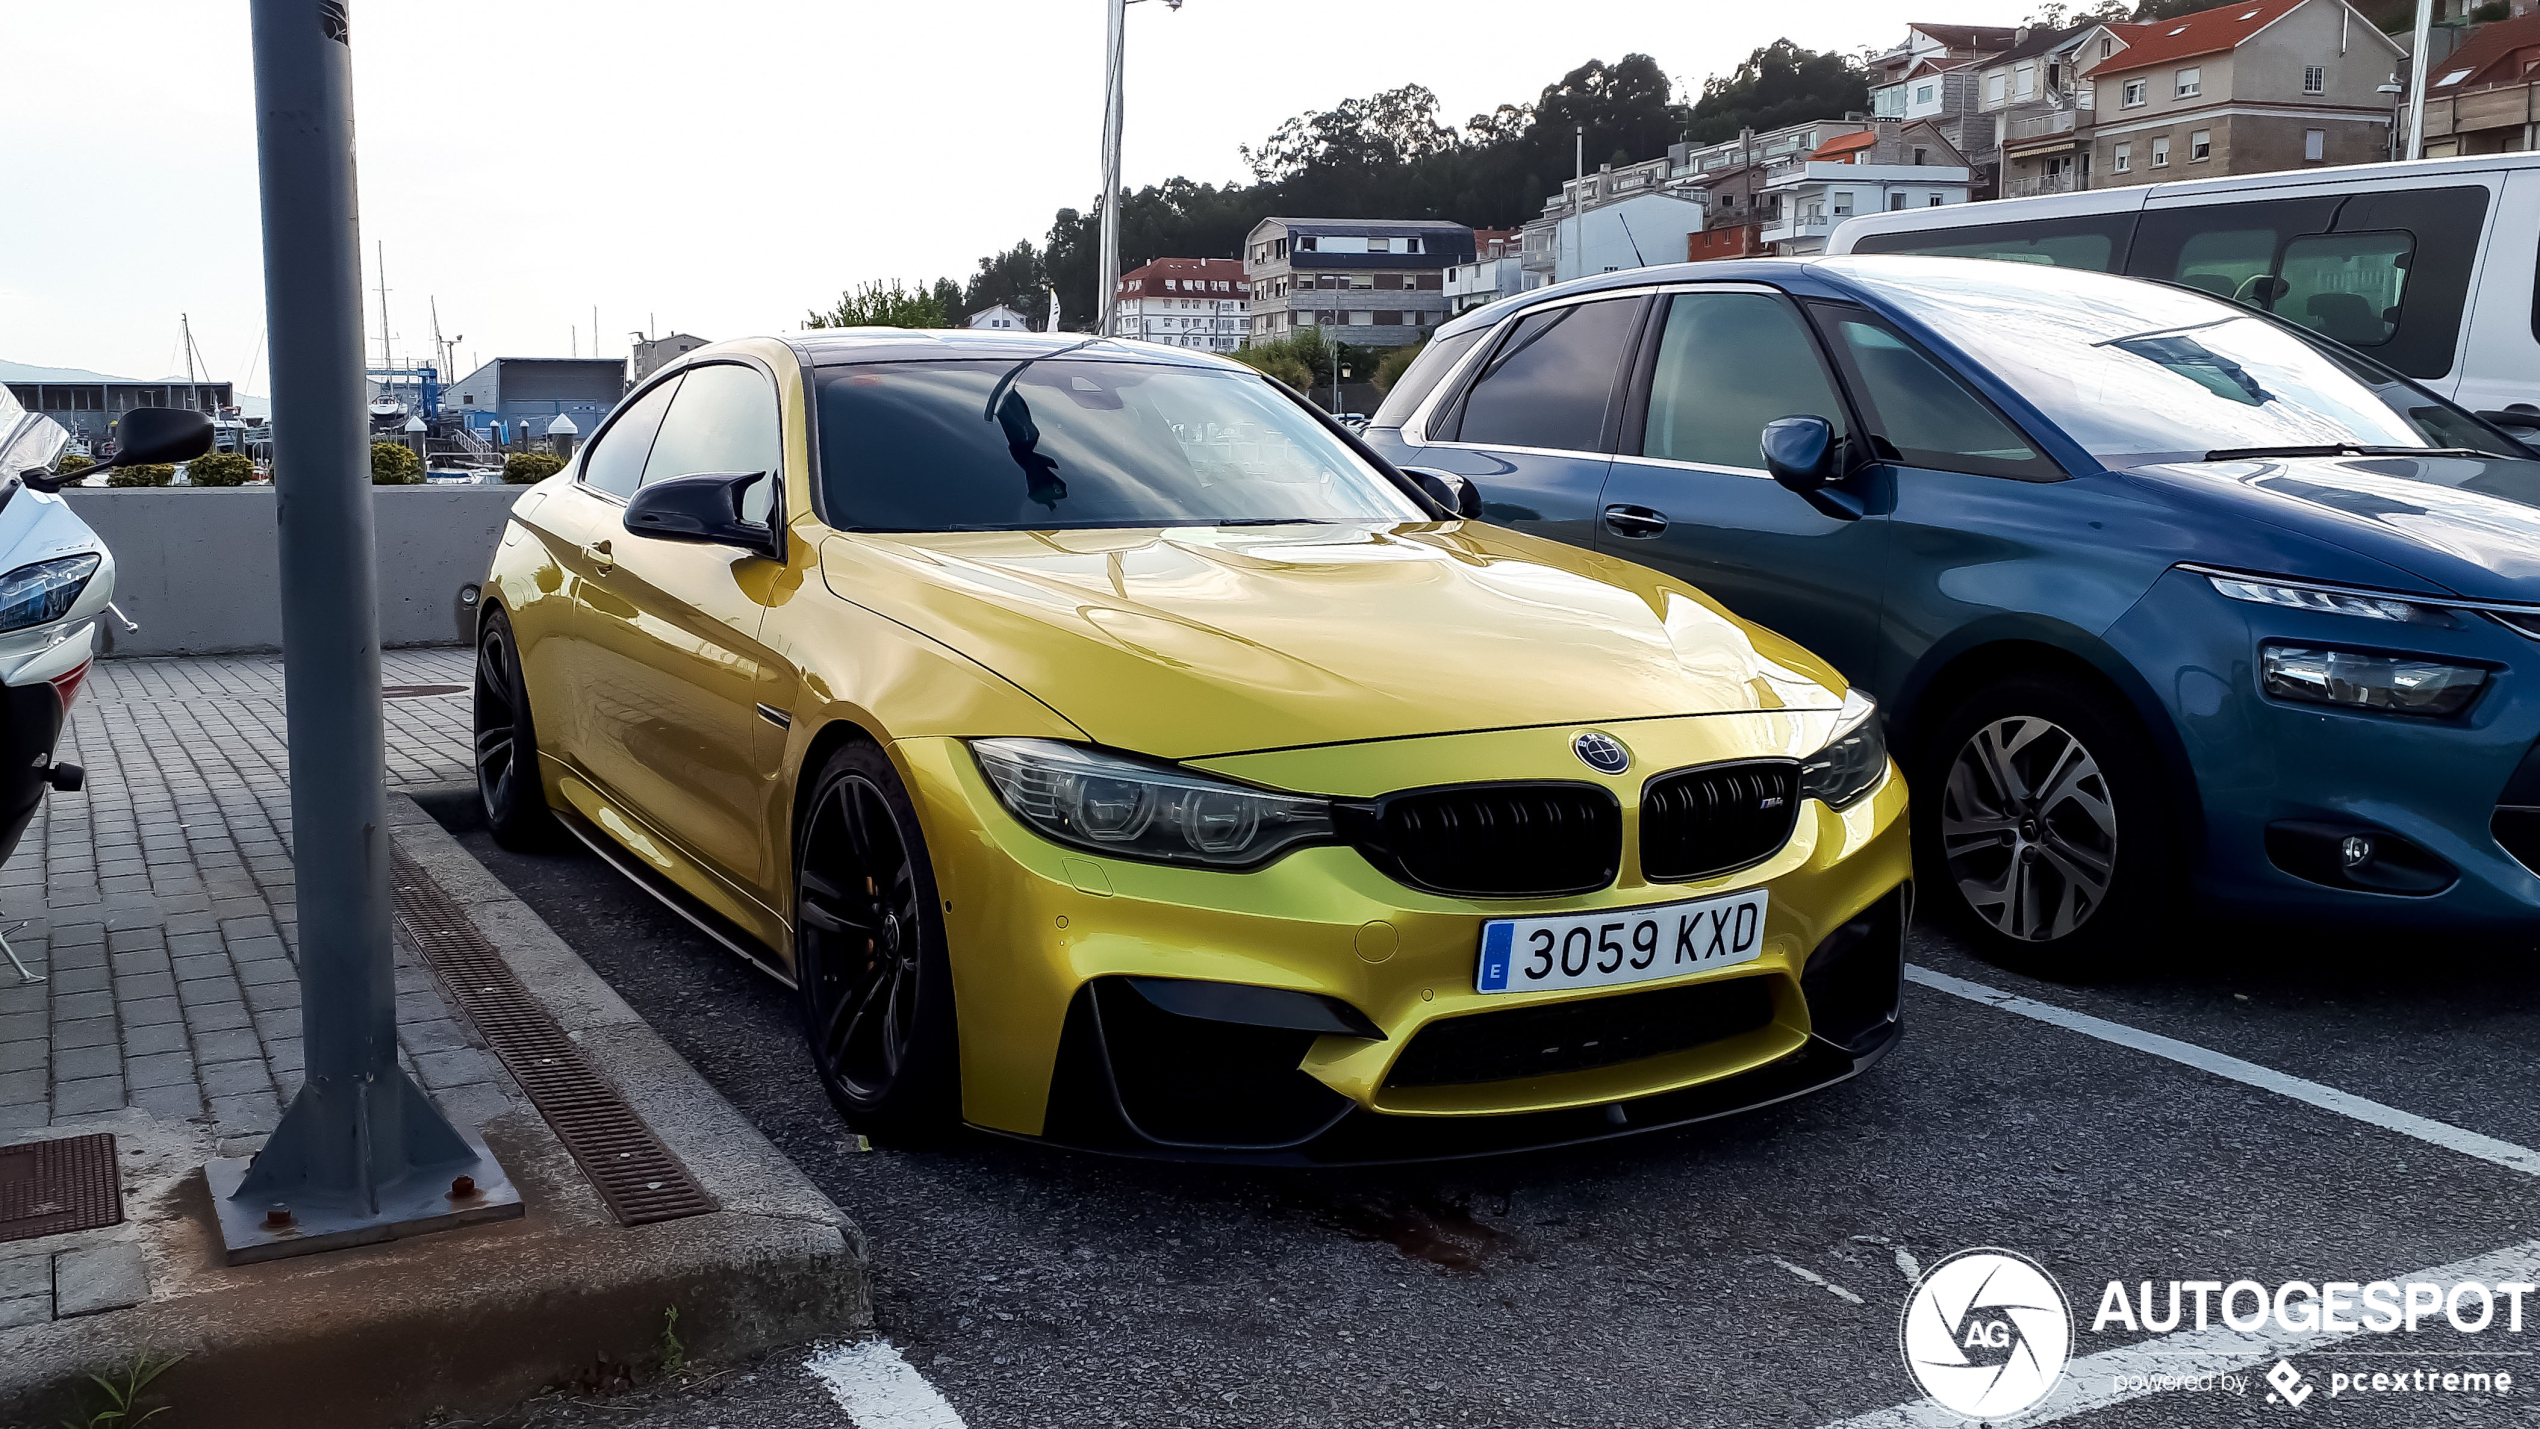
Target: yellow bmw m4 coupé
pixel 1111 750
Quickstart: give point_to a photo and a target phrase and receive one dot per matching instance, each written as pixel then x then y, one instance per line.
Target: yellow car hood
pixel 1204 640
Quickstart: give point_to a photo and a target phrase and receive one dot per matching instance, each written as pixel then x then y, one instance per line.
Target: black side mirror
pixel 1453 492
pixel 704 509
pixel 1801 453
pixel 146 436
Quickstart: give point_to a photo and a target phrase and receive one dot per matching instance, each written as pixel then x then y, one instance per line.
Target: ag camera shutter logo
pixel 1986 1333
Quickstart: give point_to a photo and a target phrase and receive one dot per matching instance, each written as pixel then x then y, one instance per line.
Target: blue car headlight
pixel 45 591
pixel 2329 600
pixel 1128 808
pixel 1852 762
pixel 2395 684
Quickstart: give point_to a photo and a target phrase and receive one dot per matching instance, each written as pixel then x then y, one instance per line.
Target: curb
pixel 478 1319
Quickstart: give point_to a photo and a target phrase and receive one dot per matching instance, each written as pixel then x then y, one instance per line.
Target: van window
pixel 2386 271
pixel 2096 241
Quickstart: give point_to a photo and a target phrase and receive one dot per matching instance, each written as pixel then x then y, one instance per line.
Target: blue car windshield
pixel 1055 444
pixel 2137 373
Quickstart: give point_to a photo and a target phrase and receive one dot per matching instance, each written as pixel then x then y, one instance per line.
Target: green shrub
pixel 157 474
pixel 392 464
pixel 2494 10
pixel 1390 367
pixel 530 468
pixel 221 469
pixel 72 464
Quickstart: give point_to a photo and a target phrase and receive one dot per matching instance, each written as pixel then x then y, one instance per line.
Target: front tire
pixel 506 750
pixel 2050 838
pixel 869 952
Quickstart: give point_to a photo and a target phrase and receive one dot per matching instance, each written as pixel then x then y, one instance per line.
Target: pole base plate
pixel 248 1235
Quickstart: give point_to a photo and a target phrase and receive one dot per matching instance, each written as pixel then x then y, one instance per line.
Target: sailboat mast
pixel 384 360
pixel 186 325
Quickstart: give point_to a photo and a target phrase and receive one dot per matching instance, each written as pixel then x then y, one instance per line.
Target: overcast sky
pixel 713 168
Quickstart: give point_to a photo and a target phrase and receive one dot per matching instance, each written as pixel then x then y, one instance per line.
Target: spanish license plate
pixel 1617 945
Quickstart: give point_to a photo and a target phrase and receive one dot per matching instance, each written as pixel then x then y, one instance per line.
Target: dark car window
pixel 1727 364
pixel 2096 241
pixel 1550 382
pixel 1926 416
pixel 1050 445
pixel 1422 377
pixel 724 420
pixel 2384 271
pixel 614 462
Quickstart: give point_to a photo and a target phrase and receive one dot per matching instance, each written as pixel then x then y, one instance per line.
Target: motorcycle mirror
pixel 147 436
pixel 36 478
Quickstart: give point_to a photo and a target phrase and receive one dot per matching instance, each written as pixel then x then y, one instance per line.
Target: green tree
pixel 1015 278
pixel 2058 15
pixel 877 304
pixel 394 464
pixel 156 474
pixel 1779 84
pixel 946 295
pixel 220 469
pixel 530 468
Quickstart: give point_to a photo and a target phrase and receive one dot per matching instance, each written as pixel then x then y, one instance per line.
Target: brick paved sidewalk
pixel 159 905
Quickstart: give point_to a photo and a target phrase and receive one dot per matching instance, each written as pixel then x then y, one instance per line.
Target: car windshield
pixel 1049 445
pixel 2138 373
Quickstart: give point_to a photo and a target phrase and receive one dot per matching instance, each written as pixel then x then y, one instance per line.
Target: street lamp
pixel 1107 300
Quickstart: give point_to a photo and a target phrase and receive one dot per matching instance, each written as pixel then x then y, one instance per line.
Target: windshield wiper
pixel 2339 449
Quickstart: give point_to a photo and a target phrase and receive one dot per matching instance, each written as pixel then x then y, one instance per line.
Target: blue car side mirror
pixel 705 509
pixel 1803 454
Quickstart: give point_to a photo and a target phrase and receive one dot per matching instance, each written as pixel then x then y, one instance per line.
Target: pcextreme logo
pixel 1986 1333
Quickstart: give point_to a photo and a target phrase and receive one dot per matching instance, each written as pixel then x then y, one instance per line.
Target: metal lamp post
pixel 1116 24
pixel 2416 79
pixel 362 1154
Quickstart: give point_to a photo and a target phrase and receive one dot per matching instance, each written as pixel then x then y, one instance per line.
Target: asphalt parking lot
pixel 1748 1272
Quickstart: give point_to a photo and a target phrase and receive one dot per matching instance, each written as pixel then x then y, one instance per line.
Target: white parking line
pixel 2443 1134
pixel 880 1390
pixel 2111 1376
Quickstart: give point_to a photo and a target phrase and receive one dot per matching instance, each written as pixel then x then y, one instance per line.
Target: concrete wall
pixel 196 566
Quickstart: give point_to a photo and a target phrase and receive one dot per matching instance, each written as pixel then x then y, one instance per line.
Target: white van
pixel 2432 267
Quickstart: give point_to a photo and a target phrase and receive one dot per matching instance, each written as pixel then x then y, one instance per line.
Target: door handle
pixel 1638 521
pixel 601 560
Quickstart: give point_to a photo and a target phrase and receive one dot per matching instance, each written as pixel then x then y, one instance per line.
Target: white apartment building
pixel 1187 302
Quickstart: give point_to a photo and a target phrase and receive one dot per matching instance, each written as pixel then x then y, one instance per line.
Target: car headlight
pixel 2332 602
pixel 44 591
pixel 1128 808
pixel 2399 684
pixel 1851 763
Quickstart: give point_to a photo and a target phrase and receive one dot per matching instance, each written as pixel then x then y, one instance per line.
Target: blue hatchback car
pixel 2159 594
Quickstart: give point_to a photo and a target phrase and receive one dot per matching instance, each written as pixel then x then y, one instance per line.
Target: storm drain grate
pixel 638 1177
pixel 68 1184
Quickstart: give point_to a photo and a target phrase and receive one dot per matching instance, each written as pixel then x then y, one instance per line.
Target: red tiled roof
pixel 1846 144
pixel 1149 279
pixel 2206 32
pixel 2485 54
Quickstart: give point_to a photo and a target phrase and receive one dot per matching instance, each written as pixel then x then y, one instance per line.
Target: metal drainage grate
pixel 419 692
pixel 638 1177
pixel 68 1184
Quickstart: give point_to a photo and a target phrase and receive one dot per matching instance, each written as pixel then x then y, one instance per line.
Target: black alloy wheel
pixel 2045 820
pixel 869 952
pixel 506 750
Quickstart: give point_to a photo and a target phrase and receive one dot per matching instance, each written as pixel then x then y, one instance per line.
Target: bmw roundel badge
pixel 1601 752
